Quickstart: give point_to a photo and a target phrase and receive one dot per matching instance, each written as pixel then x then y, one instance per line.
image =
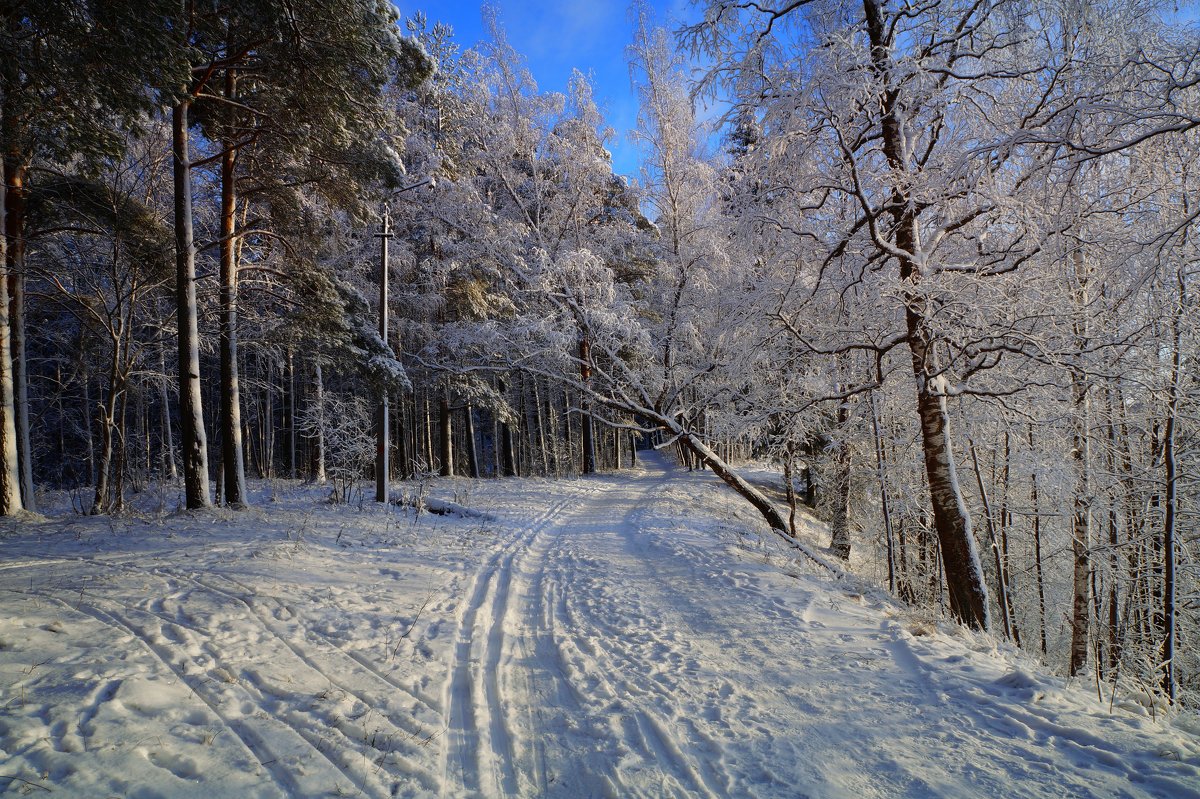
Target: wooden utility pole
pixel 382 445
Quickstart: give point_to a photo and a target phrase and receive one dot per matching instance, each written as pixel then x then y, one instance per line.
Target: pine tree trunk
pixel 10 476
pixel 15 174
pixel 193 440
pixel 539 422
pixel 233 465
pixel 551 435
pixel 447 432
pixel 16 279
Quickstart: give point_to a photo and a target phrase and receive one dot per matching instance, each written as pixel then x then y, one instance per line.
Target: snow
pixel 622 635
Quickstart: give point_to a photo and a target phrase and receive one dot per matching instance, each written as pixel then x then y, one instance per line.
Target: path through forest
pixel 621 635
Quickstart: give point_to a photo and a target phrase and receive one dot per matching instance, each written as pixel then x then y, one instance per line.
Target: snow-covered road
pixel 622 635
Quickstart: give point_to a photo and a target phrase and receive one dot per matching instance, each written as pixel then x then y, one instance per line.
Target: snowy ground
pixel 614 636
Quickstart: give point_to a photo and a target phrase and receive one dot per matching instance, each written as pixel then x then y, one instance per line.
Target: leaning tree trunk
pixel 193 440
pixel 10 478
pixel 735 481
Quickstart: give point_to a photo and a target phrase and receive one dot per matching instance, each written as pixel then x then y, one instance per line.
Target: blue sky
pixel 559 35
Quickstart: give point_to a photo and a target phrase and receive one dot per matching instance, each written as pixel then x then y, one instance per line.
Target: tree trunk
pixel 232 461
pixel 447 433
pixel 108 424
pixel 994 538
pixel 585 419
pixel 16 278
pixel 15 174
pixel 1081 518
pixel 120 461
pixel 1037 551
pixel 382 444
pixel 839 524
pixel 748 492
pixel 508 465
pixel 789 485
pixel 884 502
pixel 1171 498
pixel 472 450
pixel 193 440
pixel 960 559
pixel 10 477
pixel 168 437
pixel 319 446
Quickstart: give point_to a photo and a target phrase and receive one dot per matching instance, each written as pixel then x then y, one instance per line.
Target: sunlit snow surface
pixel 616 636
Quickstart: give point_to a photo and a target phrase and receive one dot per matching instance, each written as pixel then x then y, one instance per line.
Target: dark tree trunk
pixel 585 419
pixel 472 450
pixel 1167 630
pixel 508 465
pixel 884 500
pixel 839 525
pixel 168 437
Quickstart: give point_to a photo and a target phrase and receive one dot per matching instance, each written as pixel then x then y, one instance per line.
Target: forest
pixel 938 262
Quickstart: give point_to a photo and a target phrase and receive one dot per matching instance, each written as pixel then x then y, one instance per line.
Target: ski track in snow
pixel 613 636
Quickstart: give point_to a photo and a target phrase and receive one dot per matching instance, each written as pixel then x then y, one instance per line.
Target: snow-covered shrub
pixel 346 422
